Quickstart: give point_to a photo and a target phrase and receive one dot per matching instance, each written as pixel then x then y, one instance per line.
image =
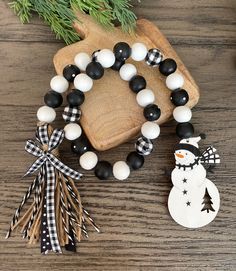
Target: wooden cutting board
pixel 110 114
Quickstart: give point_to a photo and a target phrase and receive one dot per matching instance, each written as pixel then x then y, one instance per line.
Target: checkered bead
pixel 144 146
pixel 71 114
pixel 154 57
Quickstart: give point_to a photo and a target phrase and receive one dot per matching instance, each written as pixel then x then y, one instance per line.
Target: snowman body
pixel 193 200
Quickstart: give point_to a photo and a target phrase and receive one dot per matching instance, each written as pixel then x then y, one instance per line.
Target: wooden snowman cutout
pixel 194 200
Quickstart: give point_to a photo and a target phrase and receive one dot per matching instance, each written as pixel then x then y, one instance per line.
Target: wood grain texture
pixel 137 231
pixel 111 115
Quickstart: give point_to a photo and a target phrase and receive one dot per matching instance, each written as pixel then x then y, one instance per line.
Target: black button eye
pixel 186 153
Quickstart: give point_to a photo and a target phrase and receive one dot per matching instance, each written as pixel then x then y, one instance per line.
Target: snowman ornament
pixel 194 200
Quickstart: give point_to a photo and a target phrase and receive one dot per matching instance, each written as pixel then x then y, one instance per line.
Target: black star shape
pixel 184 180
pixel 185 192
pixel 188 203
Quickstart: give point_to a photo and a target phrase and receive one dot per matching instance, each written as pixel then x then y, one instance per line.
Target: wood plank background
pixel 137 231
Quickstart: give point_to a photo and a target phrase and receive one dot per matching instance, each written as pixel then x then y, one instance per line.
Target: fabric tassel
pixel 56 215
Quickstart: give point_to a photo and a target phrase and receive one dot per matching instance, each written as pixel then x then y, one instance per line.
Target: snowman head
pixel 187 151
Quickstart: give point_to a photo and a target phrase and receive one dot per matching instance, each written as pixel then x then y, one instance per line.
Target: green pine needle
pixel 60 16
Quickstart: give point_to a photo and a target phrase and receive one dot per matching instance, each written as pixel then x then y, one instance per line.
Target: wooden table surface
pixel 137 231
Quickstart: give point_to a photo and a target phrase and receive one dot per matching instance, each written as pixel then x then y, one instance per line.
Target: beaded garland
pixel 57 205
pixel 93 69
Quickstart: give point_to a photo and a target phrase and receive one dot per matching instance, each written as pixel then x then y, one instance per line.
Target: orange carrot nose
pixel 179 155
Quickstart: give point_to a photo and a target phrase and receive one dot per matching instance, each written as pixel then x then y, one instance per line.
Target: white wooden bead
pixel 46 114
pixel 121 170
pixel 82 60
pixel 59 84
pixel 106 58
pixel 72 131
pixel 88 160
pixel 83 82
pixel 145 97
pixel 182 113
pixel 150 130
pixel 139 51
pixel 127 71
pixel 174 81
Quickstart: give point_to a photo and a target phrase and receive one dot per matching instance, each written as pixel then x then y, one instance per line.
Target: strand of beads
pixel 93 69
pixel 87 69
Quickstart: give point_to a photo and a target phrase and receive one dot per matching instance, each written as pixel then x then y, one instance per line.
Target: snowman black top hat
pixel 190 144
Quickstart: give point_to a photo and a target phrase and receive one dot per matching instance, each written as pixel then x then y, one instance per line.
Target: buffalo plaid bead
pixel 144 146
pixel 154 57
pixel 71 114
pixel 94 55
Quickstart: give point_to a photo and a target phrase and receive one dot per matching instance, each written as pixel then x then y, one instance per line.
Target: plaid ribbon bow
pixel 47 162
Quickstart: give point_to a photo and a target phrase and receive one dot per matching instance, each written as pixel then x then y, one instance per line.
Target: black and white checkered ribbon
pixel 50 163
pixel 209 156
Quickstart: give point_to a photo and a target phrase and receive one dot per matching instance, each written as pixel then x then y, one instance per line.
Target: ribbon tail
pixel 65 170
pixel 50 207
pixel 36 165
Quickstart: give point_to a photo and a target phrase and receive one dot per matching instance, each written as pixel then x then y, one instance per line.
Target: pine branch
pixel 22 9
pixel 60 16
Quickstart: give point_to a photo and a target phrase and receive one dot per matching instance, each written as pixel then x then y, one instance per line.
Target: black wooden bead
pixel 135 160
pixel 70 72
pixel 81 145
pixel 167 66
pixel 137 83
pixel 122 51
pixel 117 65
pixel 152 112
pixel 103 170
pixel 53 99
pixel 95 70
pixel 179 97
pixel 75 97
pixel 184 130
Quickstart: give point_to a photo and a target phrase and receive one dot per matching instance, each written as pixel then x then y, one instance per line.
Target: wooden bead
pixel 53 99
pixel 144 146
pixel 179 97
pixel 103 170
pixel 135 160
pixel 88 160
pixel 46 114
pixel 83 82
pixel 154 57
pixel 95 70
pixel 139 51
pixel 127 71
pixel 167 66
pixel 145 97
pixel 82 60
pixel 75 98
pixel 150 130
pixel 184 130
pixel 117 65
pixel 80 145
pixel 72 131
pixel 182 114
pixel 121 170
pixel 106 58
pixel 122 51
pixel 174 81
pixel 152 112
pixel 70 72
pixel 59 84
pixel 137 83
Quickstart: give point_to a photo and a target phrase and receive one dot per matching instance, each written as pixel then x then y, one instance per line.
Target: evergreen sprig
pixel 60 14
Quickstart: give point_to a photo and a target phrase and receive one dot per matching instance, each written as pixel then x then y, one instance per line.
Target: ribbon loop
pixel 32 148
pixel 55 139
